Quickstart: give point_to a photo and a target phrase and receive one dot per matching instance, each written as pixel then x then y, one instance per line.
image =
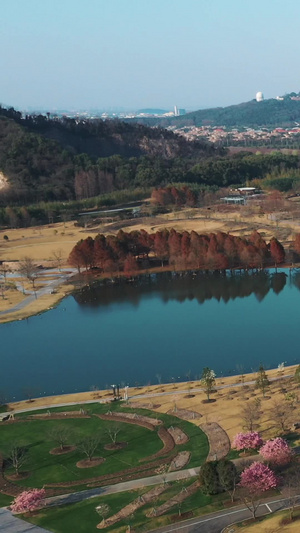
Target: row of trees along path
pixel 137 250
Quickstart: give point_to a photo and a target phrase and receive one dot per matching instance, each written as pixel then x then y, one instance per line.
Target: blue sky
pixel 146 53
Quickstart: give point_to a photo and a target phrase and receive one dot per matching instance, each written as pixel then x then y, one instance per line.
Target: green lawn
pixel 292 438
pixel 46 468
pixel 83 518
pixel 5 500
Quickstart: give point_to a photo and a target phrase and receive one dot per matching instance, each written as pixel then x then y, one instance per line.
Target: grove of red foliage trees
pixel 138 250
pixel 174 196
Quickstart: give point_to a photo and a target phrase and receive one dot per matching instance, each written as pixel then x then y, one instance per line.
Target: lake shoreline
pixel 163 329
pixel 148 391
pixel 65 289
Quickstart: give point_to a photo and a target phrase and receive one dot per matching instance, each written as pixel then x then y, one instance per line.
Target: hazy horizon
pixel 132 54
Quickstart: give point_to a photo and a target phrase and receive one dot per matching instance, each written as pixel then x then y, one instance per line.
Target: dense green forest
pixel 270 112
pixel 139 176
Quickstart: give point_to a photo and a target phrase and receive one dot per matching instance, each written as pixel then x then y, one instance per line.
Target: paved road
pixel 11 524
pixel 216 522
pixel 47 289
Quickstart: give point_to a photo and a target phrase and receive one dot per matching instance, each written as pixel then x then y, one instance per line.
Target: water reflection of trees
pixel 171 286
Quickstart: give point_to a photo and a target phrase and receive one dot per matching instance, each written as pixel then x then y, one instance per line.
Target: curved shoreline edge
pixel 142 393
pixel 34 305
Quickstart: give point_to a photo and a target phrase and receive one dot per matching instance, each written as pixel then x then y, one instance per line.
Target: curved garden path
pixel 219 443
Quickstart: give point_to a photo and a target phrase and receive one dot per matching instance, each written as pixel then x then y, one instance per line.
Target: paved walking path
pixel 47 289
pixel 122 487
pixel 11 524
pixel 136 397
pixel 75 497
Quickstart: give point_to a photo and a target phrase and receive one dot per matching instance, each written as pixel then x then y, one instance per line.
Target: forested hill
pixel 44 160
pixel 270 112
pixel 42 157
pixel 104 138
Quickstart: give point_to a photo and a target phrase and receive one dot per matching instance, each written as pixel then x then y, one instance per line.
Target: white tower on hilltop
pixel 176 111
pixel 259 96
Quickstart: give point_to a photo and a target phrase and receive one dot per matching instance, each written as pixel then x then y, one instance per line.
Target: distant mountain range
pixel 269 113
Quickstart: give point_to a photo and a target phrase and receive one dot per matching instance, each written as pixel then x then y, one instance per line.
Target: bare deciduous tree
pixel 281 414
pixel 88 445
pixel 4 270
pixel 61 435
pixel 30 392
pixel 250 414
pixel 252 500
pixel 17 456
pixel 3 273
pixel 29 270
pixel 290 489
pixel 112 431
pixel 58 258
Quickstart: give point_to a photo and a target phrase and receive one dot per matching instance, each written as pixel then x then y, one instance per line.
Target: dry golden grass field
pixel 226 410
pixel 43 243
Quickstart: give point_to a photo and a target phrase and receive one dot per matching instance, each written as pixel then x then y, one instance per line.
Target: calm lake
pixel 159 328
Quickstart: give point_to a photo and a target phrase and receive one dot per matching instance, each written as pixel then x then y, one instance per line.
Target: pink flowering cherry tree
pixel 247 441
pixel 28 501
pixel 277 451
pixel 255 480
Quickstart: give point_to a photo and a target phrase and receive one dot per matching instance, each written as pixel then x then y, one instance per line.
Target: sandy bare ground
pixel 129 509
pixel 180 461
pixel 178 435
pixel 219 444
pixel 179 498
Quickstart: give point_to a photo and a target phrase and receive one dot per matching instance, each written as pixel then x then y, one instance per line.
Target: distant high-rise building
pixel 176 111
pixel 259 96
